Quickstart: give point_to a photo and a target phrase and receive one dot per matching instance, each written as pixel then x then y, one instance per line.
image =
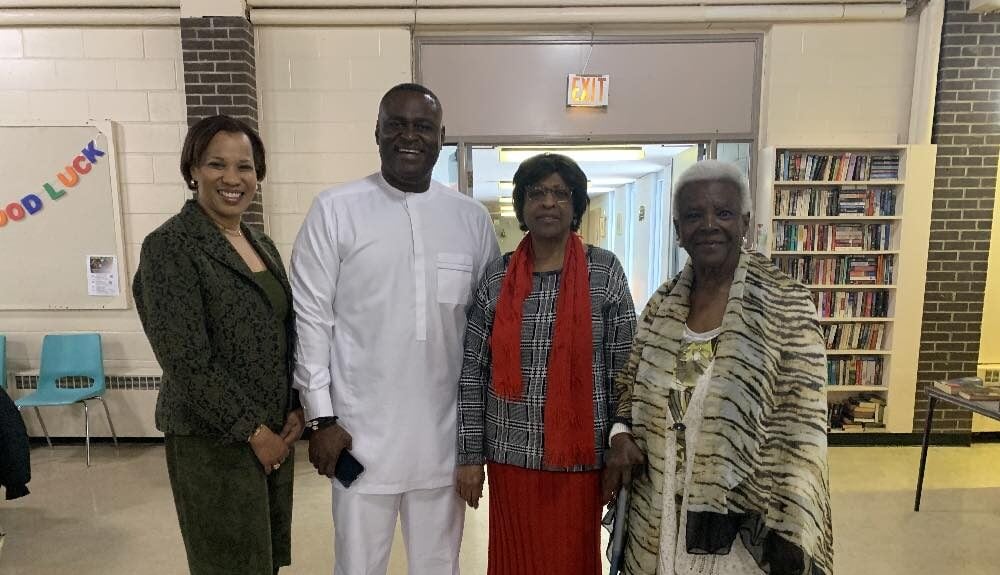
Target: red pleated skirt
pixel 544 522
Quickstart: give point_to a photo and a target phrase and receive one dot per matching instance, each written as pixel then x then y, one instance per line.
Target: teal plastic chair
pixel 76 356
pixel 3 361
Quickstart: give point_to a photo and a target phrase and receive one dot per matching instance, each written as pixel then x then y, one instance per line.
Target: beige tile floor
pixel 117 517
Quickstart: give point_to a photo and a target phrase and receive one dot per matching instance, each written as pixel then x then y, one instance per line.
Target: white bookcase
pixel 824 232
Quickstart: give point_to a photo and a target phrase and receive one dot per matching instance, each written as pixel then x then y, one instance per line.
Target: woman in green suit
pixel 216 305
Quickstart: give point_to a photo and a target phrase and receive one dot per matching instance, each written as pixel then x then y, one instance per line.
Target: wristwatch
pixel 321 422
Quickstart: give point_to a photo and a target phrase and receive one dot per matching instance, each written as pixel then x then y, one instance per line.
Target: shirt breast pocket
pixel 454 278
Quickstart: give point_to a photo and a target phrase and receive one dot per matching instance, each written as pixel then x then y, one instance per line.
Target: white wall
pixel 841 83
pixel 618 232
pixel 642 234
pixel 682 162
pixel 600 205
pixel 134 77
pixel 319 92
pixel 509 233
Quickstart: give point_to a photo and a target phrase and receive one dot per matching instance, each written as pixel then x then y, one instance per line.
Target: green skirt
pixel 234 519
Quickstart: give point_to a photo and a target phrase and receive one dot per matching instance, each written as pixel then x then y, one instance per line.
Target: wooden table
pixel 934 394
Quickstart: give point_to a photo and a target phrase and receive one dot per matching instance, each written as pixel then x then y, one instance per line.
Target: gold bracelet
pixel 256 432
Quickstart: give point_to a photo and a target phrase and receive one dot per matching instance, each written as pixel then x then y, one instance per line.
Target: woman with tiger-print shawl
pixel 723 395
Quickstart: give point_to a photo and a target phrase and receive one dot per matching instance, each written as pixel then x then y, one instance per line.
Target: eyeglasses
pixel 538 193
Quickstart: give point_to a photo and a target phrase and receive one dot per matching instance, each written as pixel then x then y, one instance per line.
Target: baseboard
pixel 986 437
pixel 40 441
pixel 897 439
pixel 834 439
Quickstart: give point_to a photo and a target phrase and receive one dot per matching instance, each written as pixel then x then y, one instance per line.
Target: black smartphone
pixel 347 469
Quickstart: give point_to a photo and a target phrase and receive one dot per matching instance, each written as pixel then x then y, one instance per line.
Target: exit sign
pixel 589 91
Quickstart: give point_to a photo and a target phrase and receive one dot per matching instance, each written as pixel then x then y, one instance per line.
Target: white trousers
pixel 364 526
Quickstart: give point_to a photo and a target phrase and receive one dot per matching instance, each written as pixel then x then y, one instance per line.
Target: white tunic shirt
pixel 381 280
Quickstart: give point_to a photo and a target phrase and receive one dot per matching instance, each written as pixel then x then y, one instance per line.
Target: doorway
pixel 630 188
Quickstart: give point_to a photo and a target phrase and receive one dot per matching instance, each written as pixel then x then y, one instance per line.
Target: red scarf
pixel 569 404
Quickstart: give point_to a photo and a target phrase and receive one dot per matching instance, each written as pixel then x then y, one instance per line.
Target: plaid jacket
pixel 512 432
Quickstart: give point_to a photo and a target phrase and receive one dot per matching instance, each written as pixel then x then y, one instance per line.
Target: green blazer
pixel 213 330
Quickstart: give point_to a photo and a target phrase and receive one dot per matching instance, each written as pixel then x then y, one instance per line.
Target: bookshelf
pixel 852 224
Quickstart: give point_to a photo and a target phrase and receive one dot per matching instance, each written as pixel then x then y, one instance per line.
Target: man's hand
pixel 622 460
pixel 325 446
pixel 469 480
pixel 295 424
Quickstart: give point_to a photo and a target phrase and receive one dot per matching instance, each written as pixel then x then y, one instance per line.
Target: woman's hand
pixel 469 480
pixel 270 449
pixel 295 424
pixel 622 460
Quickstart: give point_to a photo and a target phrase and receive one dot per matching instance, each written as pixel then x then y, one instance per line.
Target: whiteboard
pixel 59 204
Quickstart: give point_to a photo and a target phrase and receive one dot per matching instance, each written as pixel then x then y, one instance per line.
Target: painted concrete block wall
pixel 132 76
pixel 319 93
pixel 846 83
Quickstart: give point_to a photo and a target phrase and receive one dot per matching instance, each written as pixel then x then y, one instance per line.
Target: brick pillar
pixel 220 77
pixel 967 132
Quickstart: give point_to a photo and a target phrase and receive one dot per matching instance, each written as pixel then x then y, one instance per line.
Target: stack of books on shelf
pixel 865 412
pixel 860 201
pixel 850 304
pixel 790 237
pixel 847 166
pixel 836 201
pixel 868 270
pixel 884 167
pixel 854 371
pixel 827 270
pixel 973 389
pixel 865 336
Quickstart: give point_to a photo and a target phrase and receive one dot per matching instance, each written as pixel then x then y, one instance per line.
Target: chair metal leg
pixel 48 439
pixel 107 412
pixel 86 428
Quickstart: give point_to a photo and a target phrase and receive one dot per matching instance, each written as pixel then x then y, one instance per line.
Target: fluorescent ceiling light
pixel 595 186
pixel 516 155
pixel 506 201
pixel 613 182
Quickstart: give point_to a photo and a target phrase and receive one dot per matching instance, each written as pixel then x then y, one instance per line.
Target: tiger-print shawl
pixel 760 467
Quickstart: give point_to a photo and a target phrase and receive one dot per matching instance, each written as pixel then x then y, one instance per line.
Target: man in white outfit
pixel 382 271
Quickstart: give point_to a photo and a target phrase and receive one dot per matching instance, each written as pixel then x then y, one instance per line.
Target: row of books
pixel 854 371
pixel 865 412
pixel 800 167
pixel 867 336
pixel 827 270
pixel 831 237
pixel 847 304
pixel 973 389
pixel 855 201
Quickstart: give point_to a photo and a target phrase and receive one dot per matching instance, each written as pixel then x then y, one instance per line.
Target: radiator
pixel 989 372
pixel 131 398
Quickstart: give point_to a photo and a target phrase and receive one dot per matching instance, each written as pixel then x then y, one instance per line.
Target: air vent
pixel 116 382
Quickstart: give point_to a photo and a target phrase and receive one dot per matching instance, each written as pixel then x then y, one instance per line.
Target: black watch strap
pixel 321 422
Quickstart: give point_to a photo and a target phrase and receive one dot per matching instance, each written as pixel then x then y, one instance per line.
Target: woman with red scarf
pixel 549 328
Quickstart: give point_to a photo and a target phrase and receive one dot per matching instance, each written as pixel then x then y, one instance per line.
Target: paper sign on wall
pixel 102 276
